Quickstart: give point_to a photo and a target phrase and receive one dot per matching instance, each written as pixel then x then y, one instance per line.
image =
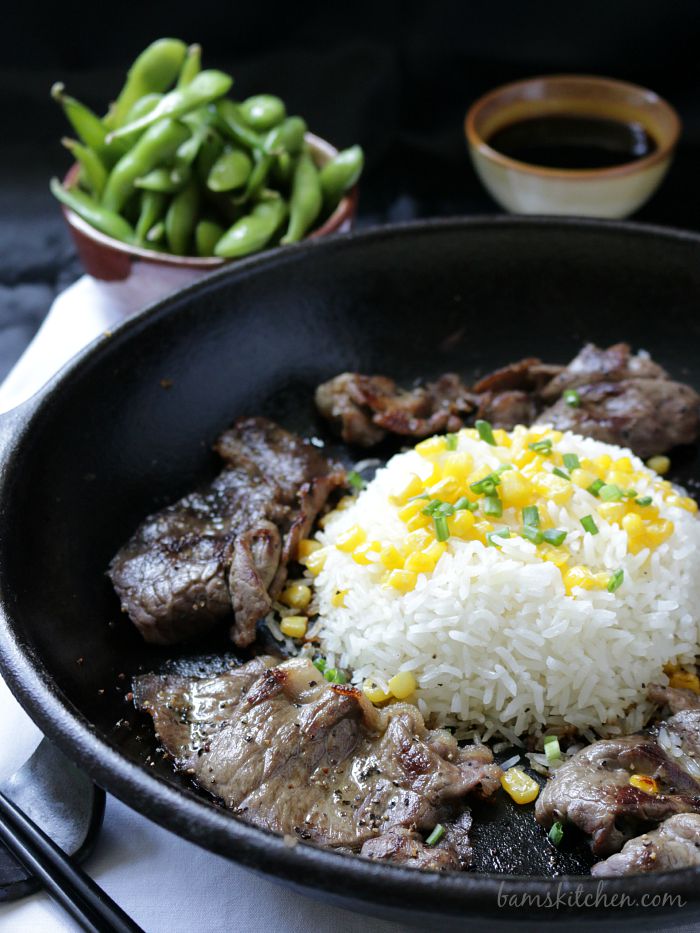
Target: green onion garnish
pixel 320 664
pixel 436 835
pixel 493 506
pixel 572 398
pixel 465 503
pixel 422 495
pixel 451 441
pixel 609 492
pixel 542 447
pixel 589 524
pixel 556 833
pixel 554 536
pixel 629 493
pixel 615 581
pixel 501 533
pixel 558 472
pixel 645 500
pixel 571 462
pixel 432 507
pixel 551 747
pixel 504 467
pixel 532 534
pixel 487 485
pixel 531 516
pixel 596 486
pixel 485 432
pixel 445 508
pixel 356 480
pixel 335 676
pixel 442 530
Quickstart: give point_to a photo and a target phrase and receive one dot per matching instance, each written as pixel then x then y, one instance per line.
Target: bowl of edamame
pixel 178 174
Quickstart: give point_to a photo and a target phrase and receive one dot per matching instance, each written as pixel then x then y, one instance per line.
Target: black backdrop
pixel 395 76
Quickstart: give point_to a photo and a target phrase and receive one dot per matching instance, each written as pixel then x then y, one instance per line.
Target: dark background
pixel 396 77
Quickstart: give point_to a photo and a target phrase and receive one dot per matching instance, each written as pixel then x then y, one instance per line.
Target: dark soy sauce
pixel 572 142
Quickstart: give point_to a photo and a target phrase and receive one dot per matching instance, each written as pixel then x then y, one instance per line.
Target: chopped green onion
pixel 615 581
pixel 556 833
pixel 493 506
pixel 487 485
pixel 436 835
pixel 445 508
pixel 609 492
pixel 442 529
pixel 485 432
pixel 589 524
pixel 451 440
pixel 531 516
pixel 542 447
pixel 432 507
pixel 571 462
pixel 501 533
pixel 629 493
pixel 504 467
pixel 422 495
pixel 558 472
pixel 356 480
pixel 595 487
pixel 465 503
pixel 551 747
pixel 320 664
pixel 572 398
pixel 554 536
pixel 645 500
pixel 335 676
pixel 532 534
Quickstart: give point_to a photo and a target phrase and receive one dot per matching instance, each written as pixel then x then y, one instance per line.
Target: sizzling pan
pixel 127 427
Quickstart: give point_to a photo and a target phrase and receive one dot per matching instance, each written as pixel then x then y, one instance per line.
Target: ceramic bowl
pixel 110 260
pixel 614 192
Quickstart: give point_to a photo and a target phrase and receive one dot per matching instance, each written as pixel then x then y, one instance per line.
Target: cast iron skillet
pixel 127 427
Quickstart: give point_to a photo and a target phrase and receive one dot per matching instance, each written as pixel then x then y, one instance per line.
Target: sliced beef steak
pixel 224 549
pixel 675 844
pixel 288 751
pixel 593 364
pixel 452 853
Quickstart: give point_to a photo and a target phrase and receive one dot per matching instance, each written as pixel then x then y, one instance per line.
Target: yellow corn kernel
pixel 412 487
pixel 684 680
pixel 501 437
pixel 401 580
pixel 307 546
pixel 612 511
pixel 402 685
pixel 296 595
pixel 520 787
pixel 633 524
pixel 364 553
pixel 457 466
pixel 618 478
pixel 659 464
pixel 418 540
pixel 391 557
pixel 374 692
pixel 411 508
pixel 316 561
pixel 645 783
pixel 583 478
pixel 435 550
pixel 603 463
pixel 655 533
pixel 480 530
pixel 431 446
pixel 419 562
pixel 446 489
pixel 419 521
pixel 624 465
pixel 524 457
pixel 461 523
pixel 555 555
pixel 583 577
pixel 515 489
pixel 345 503
pixel 294 626
pixel 682 502
pixel 338 598
pixel 553 487
pixel 351 538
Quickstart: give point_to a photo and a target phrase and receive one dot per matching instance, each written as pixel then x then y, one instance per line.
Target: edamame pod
pixel 93 213
pixel 340 173
pixel 207 234
pixel 258 177
pixel 287 137
pixel 235 127
pixel 156 234
pixel 191 66
pixel 253 232
pixel 306 200
pixel 154 71
pixel 89 127
pixel 204 88
pixel 231 170
pixel 263 111
pixel 181 218
pixel 92 168
pixel 157 145
pixel 164 180
pixel 152 210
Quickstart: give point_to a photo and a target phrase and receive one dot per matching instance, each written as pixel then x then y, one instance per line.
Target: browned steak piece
pixel 528 375
pixel 593 364
pixel 675 698
pixel 675 844
pixel 452 853
pixel 288 751
pixel 224 549
pixel 593 790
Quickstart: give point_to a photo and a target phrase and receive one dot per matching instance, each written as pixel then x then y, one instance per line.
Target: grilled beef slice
pixel 224 549
pixel 286 750
pixel 675 844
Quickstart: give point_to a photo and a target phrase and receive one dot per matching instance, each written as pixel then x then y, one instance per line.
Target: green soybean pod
pixel 340 173
pixel 154 71
pixel 234 126
pixel 287 137
pixel 253 232
pixel 163 180
pixel 207 234
pixel 93 213
pixel 157 145
pixel 89 127
pixel 181 218
pixel 191 66
pixel 92 168
pixel 152 209
pixel 209 152
pixel 155 235
pixel 263 111
pixel 231 170
pixel 258 177
pixel 306 200
pixel 204 88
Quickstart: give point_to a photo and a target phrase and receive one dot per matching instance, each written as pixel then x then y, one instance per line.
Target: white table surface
pixel 163 882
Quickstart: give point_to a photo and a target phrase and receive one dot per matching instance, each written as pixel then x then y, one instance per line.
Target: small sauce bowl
pixel 614 192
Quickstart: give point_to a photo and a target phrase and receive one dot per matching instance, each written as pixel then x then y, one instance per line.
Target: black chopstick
pixel 64 881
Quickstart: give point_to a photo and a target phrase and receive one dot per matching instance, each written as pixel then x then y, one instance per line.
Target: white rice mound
pixel 491 636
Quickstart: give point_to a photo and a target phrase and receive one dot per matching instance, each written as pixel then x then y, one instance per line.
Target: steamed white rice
pixel 491 636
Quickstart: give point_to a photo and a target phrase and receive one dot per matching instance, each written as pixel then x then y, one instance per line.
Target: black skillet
pixel 127 428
